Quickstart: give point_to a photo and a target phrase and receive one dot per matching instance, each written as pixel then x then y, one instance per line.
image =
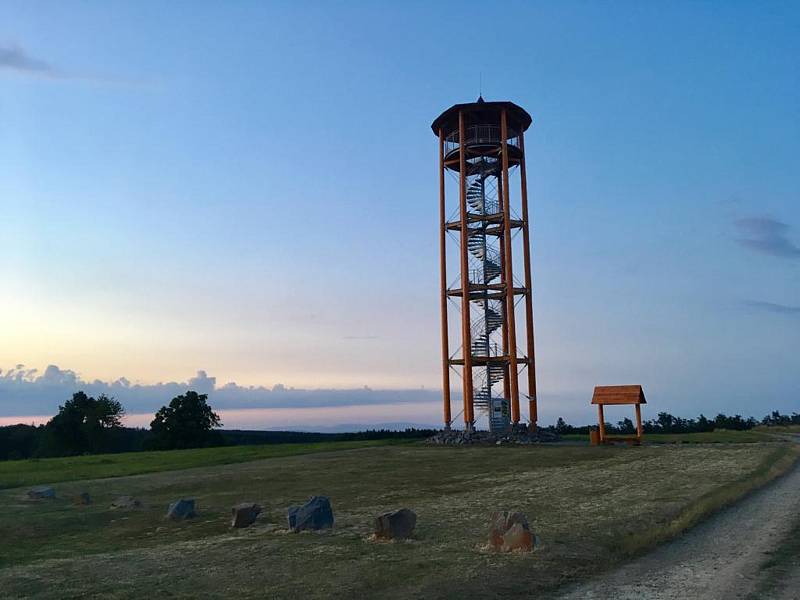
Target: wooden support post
pixel 526 253
pixel 466 333
pixel 602 422
pixel 506 382
pixel 509 286
pixel 639 422
pixel 443 285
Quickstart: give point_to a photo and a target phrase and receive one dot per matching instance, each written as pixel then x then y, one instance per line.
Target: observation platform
pixel 482 131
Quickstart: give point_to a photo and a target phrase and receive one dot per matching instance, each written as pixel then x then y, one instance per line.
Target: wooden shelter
pixel 606 395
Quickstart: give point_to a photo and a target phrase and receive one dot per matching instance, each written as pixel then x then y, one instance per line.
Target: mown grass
pixel 778 428
pixel 54 470
pixel 775 463
pixel 720 436
pixel 586 504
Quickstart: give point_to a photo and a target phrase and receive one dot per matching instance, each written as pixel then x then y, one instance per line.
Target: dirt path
pixel 726 557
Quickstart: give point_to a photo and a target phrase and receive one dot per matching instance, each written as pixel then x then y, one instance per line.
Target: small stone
pixel 182 509
pixel 396 525
pixel 314 514
pixel 41 491
pixel 245 514
pixel 126 502
pixel 82 499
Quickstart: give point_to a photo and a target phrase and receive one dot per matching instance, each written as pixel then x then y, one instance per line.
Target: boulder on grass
pixel 182 509
pixel 510 531
pixel 518 537
pixel 396 524
pixel 245 514
pixel 126 502
pixel 40 492
pixel 314 514
pixel 82 499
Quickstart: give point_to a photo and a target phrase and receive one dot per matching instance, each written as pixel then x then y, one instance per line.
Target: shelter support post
pixel 602 423
pixel 639 422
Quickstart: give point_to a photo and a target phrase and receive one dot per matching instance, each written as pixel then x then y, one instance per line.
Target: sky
pixel 243 196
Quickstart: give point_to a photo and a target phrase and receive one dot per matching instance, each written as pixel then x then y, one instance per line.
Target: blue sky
pixel 250 189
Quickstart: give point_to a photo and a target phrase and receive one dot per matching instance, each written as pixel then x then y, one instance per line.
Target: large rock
pixel 518 537
pixel 245 514
pixel 396 524
pixel 126 502
pixel 510 531
pixel 314 514
pixel 41 491
pixel 182 509
pixel 82 499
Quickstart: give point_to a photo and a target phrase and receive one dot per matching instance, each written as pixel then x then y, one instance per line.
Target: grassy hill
pixel 590 507
pixel 52 470
pixel 719 436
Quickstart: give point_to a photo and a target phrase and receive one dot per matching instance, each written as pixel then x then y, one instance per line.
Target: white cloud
pixel 25 391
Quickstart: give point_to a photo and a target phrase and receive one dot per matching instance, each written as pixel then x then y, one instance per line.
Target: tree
pixel 84 424
pixel 626 426
pixel 703 424
pixel 188 422
pixel 19 441
pixel 666 422
pixel 562 427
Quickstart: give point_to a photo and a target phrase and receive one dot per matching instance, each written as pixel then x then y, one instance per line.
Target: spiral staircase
pixel 486 258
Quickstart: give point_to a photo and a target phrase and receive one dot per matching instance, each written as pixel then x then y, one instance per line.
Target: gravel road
pixel 722 558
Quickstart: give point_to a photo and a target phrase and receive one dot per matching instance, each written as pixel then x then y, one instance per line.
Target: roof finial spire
pixel 480 87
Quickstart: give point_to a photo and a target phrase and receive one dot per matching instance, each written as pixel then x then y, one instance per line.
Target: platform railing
pixel 480 135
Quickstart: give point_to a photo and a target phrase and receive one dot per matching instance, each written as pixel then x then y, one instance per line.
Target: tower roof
pixel 482 112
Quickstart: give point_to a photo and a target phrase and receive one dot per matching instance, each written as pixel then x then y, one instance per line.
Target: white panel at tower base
pixel 500 414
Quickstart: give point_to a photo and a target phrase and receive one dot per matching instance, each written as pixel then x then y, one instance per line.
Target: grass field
pixel 590 507
pixel 778 428
pixel 721 436
pixel 53 470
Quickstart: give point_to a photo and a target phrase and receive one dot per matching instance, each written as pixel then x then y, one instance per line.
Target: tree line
pixel 87 425
pixel 667 423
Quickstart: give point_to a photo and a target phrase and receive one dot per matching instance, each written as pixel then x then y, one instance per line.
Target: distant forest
pixel 667 423
pixel 29 441
pixel 86 425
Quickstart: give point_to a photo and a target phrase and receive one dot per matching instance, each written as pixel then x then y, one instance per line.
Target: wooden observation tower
pixel 481 146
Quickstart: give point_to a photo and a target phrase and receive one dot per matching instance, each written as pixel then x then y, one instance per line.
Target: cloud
pixel 15 58
pixel 767 236
pixel 781 309
pixel 25 391
pixel 202 383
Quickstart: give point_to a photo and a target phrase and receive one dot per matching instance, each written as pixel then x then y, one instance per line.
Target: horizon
pixel 291 409
pixel 260 213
